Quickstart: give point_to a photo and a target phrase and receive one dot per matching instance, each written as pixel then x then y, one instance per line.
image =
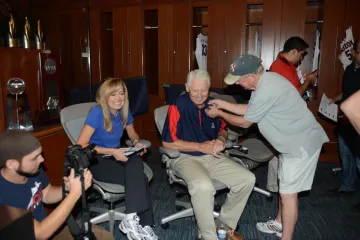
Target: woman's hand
pixel 118 154
pixel 139 144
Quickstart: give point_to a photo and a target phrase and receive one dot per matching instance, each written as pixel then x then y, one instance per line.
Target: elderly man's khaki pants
pixel 197 172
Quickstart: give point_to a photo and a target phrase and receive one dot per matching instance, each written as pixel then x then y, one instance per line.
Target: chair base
pixel 107 215
pixel 188 212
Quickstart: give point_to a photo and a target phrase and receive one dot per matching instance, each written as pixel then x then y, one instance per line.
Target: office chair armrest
pixel 146 143
pixel 232 136
pixel 229 144
pixel 171 153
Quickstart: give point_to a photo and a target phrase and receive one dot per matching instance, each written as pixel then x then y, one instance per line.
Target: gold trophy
pixel 27 34
pixel 13 41
pixel 40 44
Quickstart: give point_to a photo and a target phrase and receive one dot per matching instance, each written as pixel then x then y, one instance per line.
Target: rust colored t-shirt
pixel 286 69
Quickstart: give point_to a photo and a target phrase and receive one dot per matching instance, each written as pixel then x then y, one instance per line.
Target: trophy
pixel 13 41
pixel 40 44
pixel 18 114
pixel 27 34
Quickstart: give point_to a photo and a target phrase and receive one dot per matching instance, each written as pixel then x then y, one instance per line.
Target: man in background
pixel 348 138
pixel 287 65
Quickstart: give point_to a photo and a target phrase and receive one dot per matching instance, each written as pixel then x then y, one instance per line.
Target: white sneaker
pixel 270 226
pixel 149 234
pixel 132 228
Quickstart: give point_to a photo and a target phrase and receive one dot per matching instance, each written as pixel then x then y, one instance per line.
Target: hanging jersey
pixel 257 51
pixel 345 48
pixel 201 51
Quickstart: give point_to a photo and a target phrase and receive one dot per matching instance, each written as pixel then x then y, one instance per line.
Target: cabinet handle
pixel 81 65
pixel 177 50
pixel 218 53
pixel 122 52
pixel 168 52
pixel 337 34
pixel 130 53
pixel 228 49
pixel 274 44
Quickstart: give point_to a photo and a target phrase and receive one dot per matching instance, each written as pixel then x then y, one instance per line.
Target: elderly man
pixel 285 121
pixel 200 139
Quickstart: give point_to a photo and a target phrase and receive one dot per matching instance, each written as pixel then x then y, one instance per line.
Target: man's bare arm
pixel 235 120
pixel 351 108
pixel 52 194
pixel 182 145
pixel 46 228
pixel 238 109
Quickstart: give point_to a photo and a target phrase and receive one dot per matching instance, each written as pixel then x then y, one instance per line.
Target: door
pixel 134 41
pixel 120 42
pixel 270 40
pixel 235 33
pixel 181 42
pixel 216 42
pixel 165 46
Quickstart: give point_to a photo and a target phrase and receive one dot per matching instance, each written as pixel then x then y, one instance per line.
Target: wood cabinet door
pixel 165 46
pixel 120 42
pixel 216 42
pixel 293 15
pixel 181 41
pixel 135 31
pixel 270 40
pixel 332 34
pixel 235 33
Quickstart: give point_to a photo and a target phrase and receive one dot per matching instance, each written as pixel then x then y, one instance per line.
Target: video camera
pixel 79 158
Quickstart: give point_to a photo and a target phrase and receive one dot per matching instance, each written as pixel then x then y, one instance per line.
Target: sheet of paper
pixel 328 110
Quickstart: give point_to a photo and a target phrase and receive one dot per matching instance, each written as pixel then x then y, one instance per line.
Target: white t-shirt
pixel 201 51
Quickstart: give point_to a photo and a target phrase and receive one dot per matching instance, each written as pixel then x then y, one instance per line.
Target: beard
pixel 27 174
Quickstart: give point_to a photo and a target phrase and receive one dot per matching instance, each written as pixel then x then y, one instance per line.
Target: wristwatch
pixel 135 141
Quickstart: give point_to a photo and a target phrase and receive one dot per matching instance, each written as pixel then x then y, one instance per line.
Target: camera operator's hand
pixel 118 154
pixel 139 144
pixel 73 183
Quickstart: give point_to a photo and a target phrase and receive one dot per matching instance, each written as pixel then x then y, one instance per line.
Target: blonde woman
pixel 104 127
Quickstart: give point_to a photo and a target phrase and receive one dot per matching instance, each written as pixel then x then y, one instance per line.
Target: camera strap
pixel 82 232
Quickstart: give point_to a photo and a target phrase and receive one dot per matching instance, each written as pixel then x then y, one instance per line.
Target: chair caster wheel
pixel 179 208
pixel 217 208
pixel 165 226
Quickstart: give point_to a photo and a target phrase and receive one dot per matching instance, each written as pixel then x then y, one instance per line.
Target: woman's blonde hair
pixel 108 87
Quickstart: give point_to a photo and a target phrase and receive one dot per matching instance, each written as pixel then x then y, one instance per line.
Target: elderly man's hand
pixel 212 112
pixel 217 103
pixel 208 148
pixel 219 146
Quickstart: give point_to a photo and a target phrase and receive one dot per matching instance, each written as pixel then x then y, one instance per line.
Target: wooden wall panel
pixel 181 41
pixel 120 42
pixel 292 19
pixel 270 44
pixel 216 43
pixel 135 31
pixel 165 46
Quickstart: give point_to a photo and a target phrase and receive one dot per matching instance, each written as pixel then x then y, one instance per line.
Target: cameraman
pixel 23 184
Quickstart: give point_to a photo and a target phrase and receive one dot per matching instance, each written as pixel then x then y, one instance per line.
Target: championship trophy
pixel 13 41
pixel 27 34
pixel 40 44
pixel 18 113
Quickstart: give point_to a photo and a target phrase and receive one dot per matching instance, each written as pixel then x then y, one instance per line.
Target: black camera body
pixel 79 158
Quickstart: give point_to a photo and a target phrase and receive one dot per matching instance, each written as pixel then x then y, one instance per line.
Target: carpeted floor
pixel 320 217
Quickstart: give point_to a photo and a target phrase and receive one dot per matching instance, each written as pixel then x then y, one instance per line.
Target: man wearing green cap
pixel 23 184
pixel 285 121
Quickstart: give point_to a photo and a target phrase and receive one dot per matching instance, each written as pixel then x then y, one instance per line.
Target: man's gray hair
pixel 198 74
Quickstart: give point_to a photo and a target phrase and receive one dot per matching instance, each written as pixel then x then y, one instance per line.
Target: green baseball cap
pixel 243 65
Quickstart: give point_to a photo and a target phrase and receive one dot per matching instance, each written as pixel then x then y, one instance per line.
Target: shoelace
pixel 138 228
pixel 150 231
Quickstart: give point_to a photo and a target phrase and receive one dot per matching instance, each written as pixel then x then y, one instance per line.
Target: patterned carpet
pixel 320 217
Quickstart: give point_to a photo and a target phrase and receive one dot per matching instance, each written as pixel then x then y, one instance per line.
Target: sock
pixel 130 216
